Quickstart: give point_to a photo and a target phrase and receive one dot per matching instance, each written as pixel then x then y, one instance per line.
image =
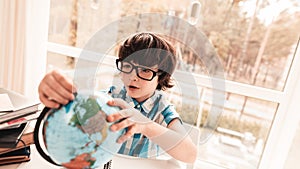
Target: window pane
pixel 240 136
pixel 255 47
pixel 57 61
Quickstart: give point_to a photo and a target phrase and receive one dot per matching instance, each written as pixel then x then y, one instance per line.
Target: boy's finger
pixel 130 132
pixel 64 87
pixel 64 82
pixel 126 113
pixel 119 103
pixel 113 117
pixel 120 125
pixel 52 94
pixel 48 103
pixel 119 115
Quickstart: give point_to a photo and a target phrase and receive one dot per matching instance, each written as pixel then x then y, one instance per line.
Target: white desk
pixel 118 162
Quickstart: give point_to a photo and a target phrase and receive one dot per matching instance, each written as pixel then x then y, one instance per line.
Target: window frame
pixel 284 125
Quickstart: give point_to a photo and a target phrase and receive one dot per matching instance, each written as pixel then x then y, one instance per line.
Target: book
pixel 16 101
pixel 14 105
pixel 19 152
pixel 10 137
pixel 11 116
pixel 14 123
pixel 25 140
pixel 15 156
pixel 5 103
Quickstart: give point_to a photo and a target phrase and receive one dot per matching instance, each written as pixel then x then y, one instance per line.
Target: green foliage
pixel 227 25
pixel 258 129
pixel 188 113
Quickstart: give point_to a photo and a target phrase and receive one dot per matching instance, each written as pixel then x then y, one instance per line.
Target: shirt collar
pixel 146 105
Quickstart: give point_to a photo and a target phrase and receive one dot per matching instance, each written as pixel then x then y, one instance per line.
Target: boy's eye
pixel 126 66
pixel 146 70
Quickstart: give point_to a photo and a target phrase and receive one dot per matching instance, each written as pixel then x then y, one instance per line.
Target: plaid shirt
pixel 156 108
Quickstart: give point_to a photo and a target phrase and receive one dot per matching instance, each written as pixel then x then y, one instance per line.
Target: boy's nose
pixel 133 76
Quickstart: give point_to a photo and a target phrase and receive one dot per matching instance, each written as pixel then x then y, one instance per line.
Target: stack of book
pixel 17 117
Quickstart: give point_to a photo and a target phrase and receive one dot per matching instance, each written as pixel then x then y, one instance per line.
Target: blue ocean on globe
pixel 79 129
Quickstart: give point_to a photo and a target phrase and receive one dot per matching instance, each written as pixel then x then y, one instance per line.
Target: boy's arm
pixel 173 139
pixel 55 89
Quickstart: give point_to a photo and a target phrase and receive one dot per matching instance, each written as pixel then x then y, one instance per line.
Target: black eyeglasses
pixel 142 72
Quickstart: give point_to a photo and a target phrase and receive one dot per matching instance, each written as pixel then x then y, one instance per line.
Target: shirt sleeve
pixel 170 114
pixel 111 89
pixel 107 90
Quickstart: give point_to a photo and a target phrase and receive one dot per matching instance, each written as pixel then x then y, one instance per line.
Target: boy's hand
pixel 129 117
pixel 55 89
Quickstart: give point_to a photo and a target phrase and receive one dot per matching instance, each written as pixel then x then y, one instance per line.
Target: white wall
pixel 286 121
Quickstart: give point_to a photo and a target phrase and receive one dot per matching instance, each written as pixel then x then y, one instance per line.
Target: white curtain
pixel 12 44
pixel 23 44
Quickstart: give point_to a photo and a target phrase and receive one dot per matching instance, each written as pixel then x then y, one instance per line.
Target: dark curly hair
pixel 150 49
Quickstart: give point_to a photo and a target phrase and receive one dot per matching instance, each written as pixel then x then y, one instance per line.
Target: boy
pixel 146 62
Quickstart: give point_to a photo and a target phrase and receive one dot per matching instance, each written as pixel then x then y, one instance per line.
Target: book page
pixel 18 101
pixel 5 103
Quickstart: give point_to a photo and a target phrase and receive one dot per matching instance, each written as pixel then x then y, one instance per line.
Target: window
pixel 258 54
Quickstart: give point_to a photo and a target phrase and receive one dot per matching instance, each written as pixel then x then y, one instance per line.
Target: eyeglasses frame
pixel 136 70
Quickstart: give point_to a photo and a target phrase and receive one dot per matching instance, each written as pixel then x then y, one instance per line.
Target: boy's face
pixel 137 87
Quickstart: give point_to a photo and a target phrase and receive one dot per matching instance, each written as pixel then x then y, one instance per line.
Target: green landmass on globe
pixel 93 121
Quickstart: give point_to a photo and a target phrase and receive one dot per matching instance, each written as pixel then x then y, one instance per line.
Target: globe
pixel 79 131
